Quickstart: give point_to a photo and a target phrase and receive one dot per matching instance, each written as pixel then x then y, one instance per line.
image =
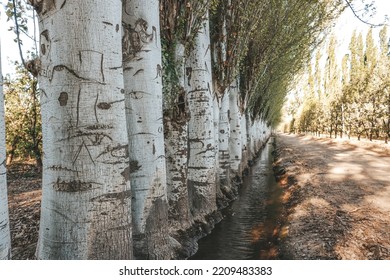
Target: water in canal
pixel 250 228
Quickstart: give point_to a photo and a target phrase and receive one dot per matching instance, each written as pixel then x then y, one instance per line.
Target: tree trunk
pixel 244 141
pixel 35 129
pixel 86 192
pixel 223 149
pixel 221 200
pixel 176 139
pixel 201 157
pixel 5 238
pixel 143 87
pixel 235 144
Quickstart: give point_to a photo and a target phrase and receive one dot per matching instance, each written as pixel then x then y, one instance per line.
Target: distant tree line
pixel 350 96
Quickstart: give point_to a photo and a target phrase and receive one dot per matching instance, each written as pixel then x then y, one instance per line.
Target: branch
pixel 18 34
pixel 359 18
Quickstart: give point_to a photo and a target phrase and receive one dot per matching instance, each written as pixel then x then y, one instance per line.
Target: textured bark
pixel 143 87
pixel 176 138
pixel 223 152
pixel 244 141
pixel 235 144
pixel 86 191
pixel 251 138
pixel 5 239
pixel 176 154
pixel 221 199
pixel 201 157
pixel 216 115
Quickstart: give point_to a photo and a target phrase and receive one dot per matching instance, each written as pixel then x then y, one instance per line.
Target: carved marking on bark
pixel 159 71
pixel 189 75
pixel 45 42
pixel 73 186
pixel 104 105
pixel 138 94
pixel 134 167
pixel 79 151
pixel 120 151
pixel 62 67
pixel 209 148
pixel 63 215
pixel 126 174
pixel 78 108
pixel 112 196
pixel 115 68
pixel 99 127
pixel 102 67
pixel 127 69
pixel 135 38
pixel 95 108
pixel 196 140
pixel 80 133
pixel 61 168
pixel 63 99
pixel 138 72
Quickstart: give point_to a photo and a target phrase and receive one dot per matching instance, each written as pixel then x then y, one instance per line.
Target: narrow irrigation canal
pixel 250 228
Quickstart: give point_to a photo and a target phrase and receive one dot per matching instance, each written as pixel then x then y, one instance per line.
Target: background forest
pixel 348 96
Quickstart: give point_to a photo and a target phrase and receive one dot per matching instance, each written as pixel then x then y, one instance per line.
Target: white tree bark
pixel 216 115
pixel 201 157
pixel 86 191
pixel 5 238
pixel 223 152
pixel 244 141
pixel 235 144
pixel 251 126
pixel 143 86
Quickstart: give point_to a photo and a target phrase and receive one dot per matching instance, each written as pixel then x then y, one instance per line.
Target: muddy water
pixel 251 224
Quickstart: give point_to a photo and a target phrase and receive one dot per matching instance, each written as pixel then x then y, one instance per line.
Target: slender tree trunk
pixel 244 141
pixel 35 129
pixel 223 149
pixel 143 87
pixel 221 201
pixel 176 138
pixel 86 191
pixel 249 129
pixel 5 238
pixel 235 144
pixel 201 157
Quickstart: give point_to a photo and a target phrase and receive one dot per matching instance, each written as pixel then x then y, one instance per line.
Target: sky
pixel 344 28
pixel 347 23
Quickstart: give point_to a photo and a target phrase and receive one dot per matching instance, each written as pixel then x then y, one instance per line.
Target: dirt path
pixel 337 198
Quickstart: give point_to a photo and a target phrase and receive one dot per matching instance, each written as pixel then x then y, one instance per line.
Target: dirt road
pixel 337 197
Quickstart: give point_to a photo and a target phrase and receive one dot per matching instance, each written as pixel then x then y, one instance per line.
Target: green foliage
pixel 22 116
pixel 356 100
pixel 180 21
pixel 281 45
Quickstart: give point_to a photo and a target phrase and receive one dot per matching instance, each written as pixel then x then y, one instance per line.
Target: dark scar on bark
pixel 63 99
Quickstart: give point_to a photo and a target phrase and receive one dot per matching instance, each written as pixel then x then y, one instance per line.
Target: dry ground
pixel 24 199
pixel 337 197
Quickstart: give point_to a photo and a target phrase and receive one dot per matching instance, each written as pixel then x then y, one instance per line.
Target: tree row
pixel 351 97
pixel 150 109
